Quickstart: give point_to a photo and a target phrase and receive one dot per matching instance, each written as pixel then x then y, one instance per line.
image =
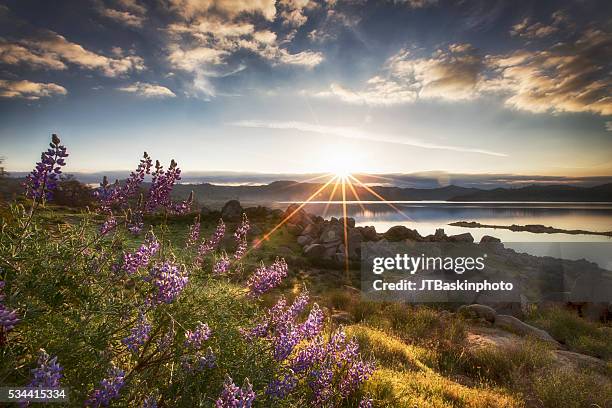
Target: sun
pixel 342 174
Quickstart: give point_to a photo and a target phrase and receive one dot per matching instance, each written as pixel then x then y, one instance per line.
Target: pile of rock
pixel 324 239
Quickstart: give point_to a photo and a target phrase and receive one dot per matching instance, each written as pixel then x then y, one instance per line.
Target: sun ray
pixel 348 180
pixel 331 198
pixel 288 217
pixel 381 198
pixel 308 180
pixel 345 219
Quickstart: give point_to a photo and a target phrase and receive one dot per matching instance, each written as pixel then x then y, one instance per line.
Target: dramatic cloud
pixel 452 74
pixel 229 8
pixel 572 76
pixel 148 90
pixel 355 133
pixel 528 29
pixel 567 77
pixel 123 17
pixel 29 90
pixel 53 51
pixel 292 11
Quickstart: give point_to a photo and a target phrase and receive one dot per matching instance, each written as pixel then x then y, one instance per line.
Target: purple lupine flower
pixel 358 372
pixel 234 397
pixel 109 389
pixel 42 181
pixel 141 257
pixel 282 386
pixel 181 207
pixel 313 324
pixel 8 317
pixel 266 278
pixel 194 339
pixel 312 354
pixel 150 402
pixel 139 334
pixel 169 280
pixel 161 186
pixel 118 195
pixel 240 236
pixel 136 224
pixel 212 243
pixel 108 225
pixel 194 233
pixel 208 360
pixel 48 373
pixel 321 384
pixel 222 266
pixel 366 402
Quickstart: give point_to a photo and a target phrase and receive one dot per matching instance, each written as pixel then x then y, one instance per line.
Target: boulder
pixel 465 237
pixel 332 233
pixel 350 222
pixel 400 233
pixel 297 215
pixel 304 240
pixel 478 311
pixel 440 235
pixel 369 233
pixel 512 324
pixel 314 251
pixel 232 211
pixel 487 239
pixel 312 230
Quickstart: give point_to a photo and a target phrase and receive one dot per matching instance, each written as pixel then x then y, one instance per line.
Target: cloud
pixel 354 133
pixel 123 17
pixel 452 74
pixel 29 90
pixel 50 50
pixel 526 29
pixel 148 90
pixel 292 11
pixel 229 8
pixel 567 77
pixel 571 76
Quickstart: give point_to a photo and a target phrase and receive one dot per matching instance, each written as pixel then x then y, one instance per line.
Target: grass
pixel 578 334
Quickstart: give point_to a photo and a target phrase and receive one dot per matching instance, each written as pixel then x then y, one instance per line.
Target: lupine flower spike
pixel 42 181
pixel 109 389
pixel 240 236
pixel 234 397
pixel 8 317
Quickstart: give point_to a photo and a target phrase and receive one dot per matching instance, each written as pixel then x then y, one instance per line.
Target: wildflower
pixel 162 185
pixel 181 207
pixel 169 279
pixel 48 373
pixel 282 386
pixel 136 224
pixel 108 225
pixel 109 389
pixel 222 266
pixel 42 181
pixel 116 195
pixel 194 233
pixel 240 236
pixel 8 317
pixel 313 324
pixel 266 278
pixel 141 257
pixel 139 334
pixel 212 243
pixel 194 339
pixel 366 402
pixel 234 397
pixel 149 402
pixel 200 361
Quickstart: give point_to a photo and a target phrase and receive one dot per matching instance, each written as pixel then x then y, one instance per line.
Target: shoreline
pixel 534 228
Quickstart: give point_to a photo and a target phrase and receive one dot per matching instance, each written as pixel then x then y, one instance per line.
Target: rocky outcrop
pixel 512 324
pixel 401 233
pixel 478 311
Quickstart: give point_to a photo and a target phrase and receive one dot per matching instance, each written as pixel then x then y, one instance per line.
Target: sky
pixel 301 86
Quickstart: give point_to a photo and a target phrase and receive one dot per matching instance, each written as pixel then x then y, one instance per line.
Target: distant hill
pixel 294 191
pixel 541 193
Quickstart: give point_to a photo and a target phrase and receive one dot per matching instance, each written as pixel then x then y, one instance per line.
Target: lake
pixel 427 216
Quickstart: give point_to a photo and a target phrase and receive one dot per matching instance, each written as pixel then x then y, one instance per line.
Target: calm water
pixel 427 216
